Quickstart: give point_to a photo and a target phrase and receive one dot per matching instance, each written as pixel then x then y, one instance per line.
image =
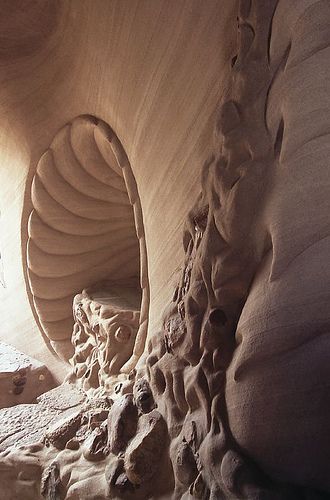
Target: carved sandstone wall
pixel 140 67
pixel 230 397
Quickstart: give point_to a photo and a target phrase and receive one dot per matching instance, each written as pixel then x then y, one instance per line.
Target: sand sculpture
pixel 84 224
pixel 226 396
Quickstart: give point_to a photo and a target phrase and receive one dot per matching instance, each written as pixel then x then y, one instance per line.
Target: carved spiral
pixel 86 224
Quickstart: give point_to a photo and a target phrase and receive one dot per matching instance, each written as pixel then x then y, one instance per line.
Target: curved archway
pixel 86 226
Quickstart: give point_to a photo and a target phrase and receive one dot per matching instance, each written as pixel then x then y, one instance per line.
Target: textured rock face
pixel 107 321
pixel 228 398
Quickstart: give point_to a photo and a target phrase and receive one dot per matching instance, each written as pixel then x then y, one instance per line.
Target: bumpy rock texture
pixel 107 321
pixel 230 399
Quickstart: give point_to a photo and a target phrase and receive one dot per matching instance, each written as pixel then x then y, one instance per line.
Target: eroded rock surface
pixel 106 323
